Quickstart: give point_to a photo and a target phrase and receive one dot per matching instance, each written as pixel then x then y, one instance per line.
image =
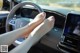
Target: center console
pixel 70 40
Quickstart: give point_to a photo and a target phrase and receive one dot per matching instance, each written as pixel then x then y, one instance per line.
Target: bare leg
pixel 9 37
pixel 35 36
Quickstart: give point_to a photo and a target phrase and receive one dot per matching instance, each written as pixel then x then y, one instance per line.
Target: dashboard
pixel 31 13
pixel 52 38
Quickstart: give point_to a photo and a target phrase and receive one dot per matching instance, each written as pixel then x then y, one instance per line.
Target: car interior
pixel 63 38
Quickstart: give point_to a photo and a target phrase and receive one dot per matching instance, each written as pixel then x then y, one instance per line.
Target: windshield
pixel 68 4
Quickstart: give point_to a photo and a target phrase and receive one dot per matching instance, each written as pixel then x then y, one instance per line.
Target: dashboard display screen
pixel 72 25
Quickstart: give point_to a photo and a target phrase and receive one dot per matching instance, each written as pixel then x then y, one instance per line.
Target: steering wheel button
pixel 12 22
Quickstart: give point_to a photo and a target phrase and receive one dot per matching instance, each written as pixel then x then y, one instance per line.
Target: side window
pixel 4 5
pixel 1 4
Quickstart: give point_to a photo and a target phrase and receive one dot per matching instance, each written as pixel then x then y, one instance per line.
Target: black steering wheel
pixel 19 22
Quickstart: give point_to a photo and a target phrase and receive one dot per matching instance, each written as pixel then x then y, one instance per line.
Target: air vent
pixel 67 48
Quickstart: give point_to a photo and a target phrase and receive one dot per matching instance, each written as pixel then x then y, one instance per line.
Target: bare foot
pixel 41 30
pixel 37 20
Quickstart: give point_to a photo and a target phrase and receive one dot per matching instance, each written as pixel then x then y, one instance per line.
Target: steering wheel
pixel 19 22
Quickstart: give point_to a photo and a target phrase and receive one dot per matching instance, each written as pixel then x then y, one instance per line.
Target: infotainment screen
pixel 72 25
